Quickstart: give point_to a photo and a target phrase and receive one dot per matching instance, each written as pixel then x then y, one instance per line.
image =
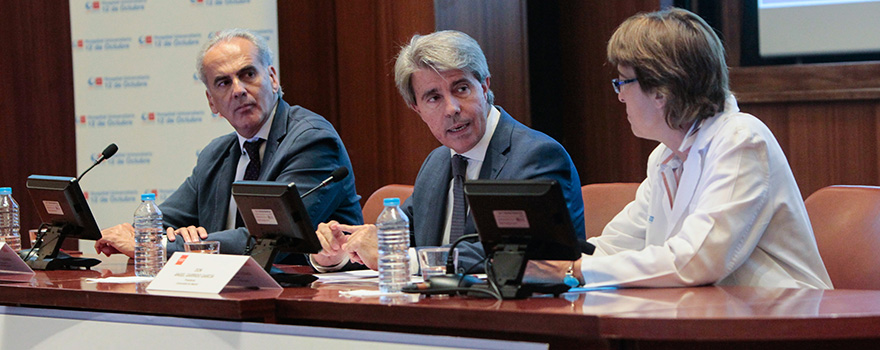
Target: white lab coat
pixel 738 218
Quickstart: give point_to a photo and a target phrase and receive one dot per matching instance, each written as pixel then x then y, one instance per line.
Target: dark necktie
pixel 459 205
pixel 252 172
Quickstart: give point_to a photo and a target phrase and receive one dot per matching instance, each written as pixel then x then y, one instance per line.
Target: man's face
pixel 239 87
pixel 454 106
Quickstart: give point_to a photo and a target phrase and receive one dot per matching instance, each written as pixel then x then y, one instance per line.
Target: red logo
pixel 79 43
pixel 155 191
pixel 96 4
pixel 151 116
pixel 99 81
pixel 82 119
pixel 181 259
pixel 86 194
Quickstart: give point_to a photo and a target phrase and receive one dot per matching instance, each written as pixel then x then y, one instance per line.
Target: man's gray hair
pixel 440 51
pixel 263 51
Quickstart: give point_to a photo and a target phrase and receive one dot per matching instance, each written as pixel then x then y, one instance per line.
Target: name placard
pixel 210 273
pixel 12 268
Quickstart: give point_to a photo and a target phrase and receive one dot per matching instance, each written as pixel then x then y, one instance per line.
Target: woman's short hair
pixel 675 53
pixel 440 51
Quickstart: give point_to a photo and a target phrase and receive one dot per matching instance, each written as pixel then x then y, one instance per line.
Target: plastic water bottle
pixel 9 222
pixel 393 238
pixel 149 253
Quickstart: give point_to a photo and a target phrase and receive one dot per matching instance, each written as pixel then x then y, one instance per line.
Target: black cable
pixel 38 241
pixel 249 246
pixel 450 259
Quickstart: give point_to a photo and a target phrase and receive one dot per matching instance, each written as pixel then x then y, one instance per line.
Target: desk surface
pixel 703 314
pixel 68 289
pixel 668 314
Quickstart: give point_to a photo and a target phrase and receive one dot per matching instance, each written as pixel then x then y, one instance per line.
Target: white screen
pixel 816 27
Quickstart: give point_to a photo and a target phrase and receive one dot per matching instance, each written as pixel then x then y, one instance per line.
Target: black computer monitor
pixel 276 218
pixel 521 220
pixel 65 213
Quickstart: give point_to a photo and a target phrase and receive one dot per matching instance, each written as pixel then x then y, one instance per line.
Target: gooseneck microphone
pixel 106 154
pixel 338 174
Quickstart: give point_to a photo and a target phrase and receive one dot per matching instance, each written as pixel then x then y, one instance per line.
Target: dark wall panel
pixel 500 28
pixel 36 104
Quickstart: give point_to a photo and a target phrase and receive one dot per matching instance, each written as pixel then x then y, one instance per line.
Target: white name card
pixel 210 273
pixel 12 268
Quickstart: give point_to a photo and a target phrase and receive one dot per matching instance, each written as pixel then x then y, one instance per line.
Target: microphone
pixel 106 154
pixel 338 174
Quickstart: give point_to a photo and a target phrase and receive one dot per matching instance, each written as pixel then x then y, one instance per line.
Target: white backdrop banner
pixel 135 84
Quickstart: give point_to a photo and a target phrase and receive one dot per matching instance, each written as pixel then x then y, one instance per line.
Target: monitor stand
pixel 50 257
pixel 509 266
pixel 264 253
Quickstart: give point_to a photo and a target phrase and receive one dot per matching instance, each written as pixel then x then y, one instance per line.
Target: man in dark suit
pixel 445 79
pixel 273 141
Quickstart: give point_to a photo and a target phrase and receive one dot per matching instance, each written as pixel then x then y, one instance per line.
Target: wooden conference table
pixel 709 317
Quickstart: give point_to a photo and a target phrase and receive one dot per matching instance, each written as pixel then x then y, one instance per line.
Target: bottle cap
pixel 393 202
pixel 5 190
pixel 148 197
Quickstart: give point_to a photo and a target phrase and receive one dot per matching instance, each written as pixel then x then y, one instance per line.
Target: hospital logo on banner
pixel 218 2
pixel 111 6
pixel 106 120
pixel 173 117
pixel 174 40
pixel 119 82
pixel 123 196
pixel 126 159
pixel 96 82
pixel 93 6
pixel 102 44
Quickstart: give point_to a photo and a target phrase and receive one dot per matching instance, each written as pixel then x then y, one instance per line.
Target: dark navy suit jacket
pixel 515 152
pixel 303 147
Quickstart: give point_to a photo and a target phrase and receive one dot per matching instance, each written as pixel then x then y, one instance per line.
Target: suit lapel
pixel 277 132
pixel 499 145
pixel 223 186
pixel 435 207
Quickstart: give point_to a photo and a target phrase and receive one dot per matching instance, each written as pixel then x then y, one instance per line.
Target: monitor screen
pixel 60 202
pixel 273 210
pixel 532 213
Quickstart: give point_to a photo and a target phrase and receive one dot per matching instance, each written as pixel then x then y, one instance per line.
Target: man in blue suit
pixel 445 79
pixel 273 141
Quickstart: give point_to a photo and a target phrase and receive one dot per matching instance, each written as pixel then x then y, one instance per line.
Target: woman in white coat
pixel 720 204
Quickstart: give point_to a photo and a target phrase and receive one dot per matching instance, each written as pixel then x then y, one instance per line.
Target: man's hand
pixel 189 234
pixel 332 238
pixel 117 239
pixel 362 245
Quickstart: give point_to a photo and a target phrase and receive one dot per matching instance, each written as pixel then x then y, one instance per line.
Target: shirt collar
pixel 478 152
pixel 262 134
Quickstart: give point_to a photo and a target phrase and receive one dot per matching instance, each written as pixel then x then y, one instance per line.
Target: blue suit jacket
pixel 515 152
pixel 303 147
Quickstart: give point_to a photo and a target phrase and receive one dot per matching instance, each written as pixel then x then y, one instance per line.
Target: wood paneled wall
pixel 36 102
pixel 501 29
pixel 337 59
